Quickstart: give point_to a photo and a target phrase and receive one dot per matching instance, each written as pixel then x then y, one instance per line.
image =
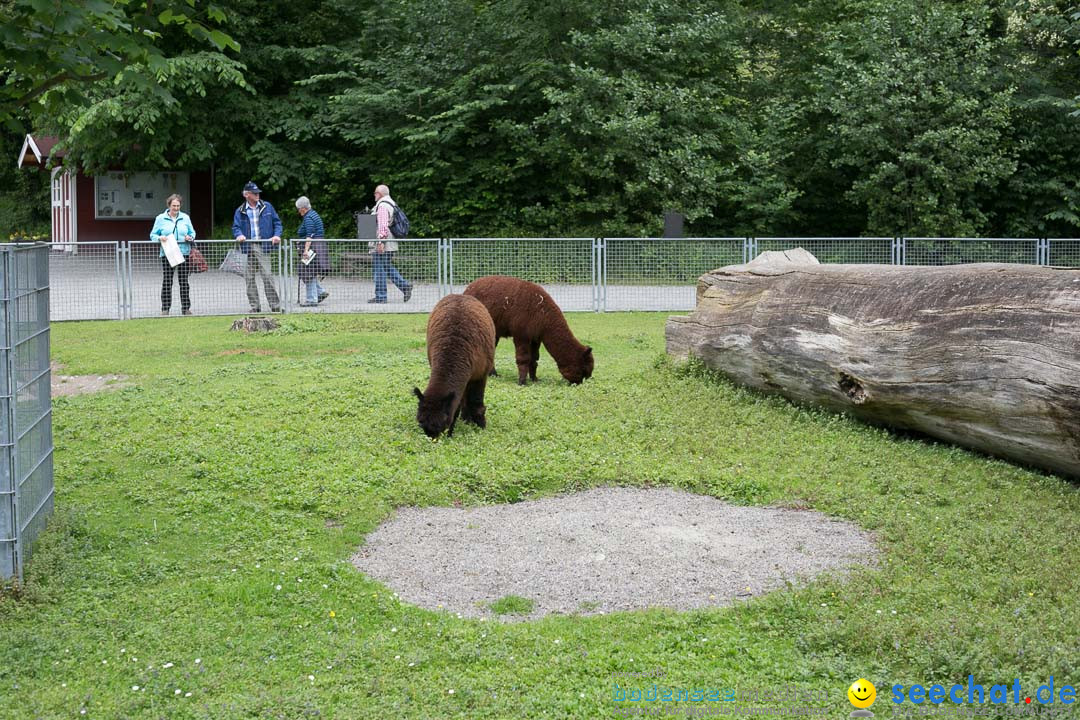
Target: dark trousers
pixel 166 285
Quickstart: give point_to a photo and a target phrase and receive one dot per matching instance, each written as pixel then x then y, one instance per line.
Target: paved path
pixel 85 288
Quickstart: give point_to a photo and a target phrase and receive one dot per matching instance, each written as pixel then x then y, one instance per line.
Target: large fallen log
pixel 986 356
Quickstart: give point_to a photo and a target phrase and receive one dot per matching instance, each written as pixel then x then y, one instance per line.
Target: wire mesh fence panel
pixel 356 277
pixel 956 251
pixel 1064 252
pixel 26 473
pixel 563 266
pixel 857 250
pixel 218 291
pixel 84 281
pixel 662 273
pixel 109 280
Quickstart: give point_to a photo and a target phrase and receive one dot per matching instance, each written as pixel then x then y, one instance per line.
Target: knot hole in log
pixel 853 389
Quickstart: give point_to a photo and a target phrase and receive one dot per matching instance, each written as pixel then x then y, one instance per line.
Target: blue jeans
pixel 314 289
pixel 383 262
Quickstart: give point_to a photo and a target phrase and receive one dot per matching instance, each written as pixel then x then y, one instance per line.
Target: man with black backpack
pixel 392 224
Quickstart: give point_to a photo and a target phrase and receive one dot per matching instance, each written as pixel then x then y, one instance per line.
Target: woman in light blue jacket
pixel 178 224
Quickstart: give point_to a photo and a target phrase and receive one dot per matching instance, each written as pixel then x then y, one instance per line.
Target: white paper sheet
pixel 172 251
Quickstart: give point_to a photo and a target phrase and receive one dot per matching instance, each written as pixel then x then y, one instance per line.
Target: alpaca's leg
pixel 475 411
pixel 453 421
pixel 523 355
pixel 494 372
pixel 534 359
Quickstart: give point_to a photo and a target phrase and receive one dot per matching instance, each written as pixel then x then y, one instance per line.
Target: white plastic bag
pixel 235 262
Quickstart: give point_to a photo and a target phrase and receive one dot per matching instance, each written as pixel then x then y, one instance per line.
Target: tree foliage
pixel 916 116
pixel 568 118
pixel 54 52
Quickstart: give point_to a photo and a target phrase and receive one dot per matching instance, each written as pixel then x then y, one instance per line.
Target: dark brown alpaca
pixel 524 311
pixel 461 353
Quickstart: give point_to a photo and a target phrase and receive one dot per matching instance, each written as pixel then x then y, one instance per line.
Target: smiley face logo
pixel 862 693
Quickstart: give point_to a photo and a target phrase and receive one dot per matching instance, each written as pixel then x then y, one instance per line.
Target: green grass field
pixel 206 515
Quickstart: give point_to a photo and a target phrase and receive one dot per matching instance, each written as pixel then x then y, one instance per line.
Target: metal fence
pixel 26 467
pixel 114 280
pixel 566 267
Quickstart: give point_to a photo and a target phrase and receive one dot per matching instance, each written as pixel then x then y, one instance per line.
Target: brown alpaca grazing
pixel 461 353
pixel 524 311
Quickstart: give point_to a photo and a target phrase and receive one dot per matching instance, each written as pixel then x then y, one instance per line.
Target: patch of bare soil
pixel 83 384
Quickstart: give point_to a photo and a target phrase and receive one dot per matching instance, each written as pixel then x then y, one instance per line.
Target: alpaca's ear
pixel 588 351
pixel 417 393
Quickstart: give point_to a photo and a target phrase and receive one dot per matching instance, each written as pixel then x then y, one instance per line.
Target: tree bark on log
pixel 986 356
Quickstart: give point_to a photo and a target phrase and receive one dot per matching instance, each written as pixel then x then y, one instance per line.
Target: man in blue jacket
pixel 257 228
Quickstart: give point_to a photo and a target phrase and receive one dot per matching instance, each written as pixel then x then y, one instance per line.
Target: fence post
pixel 128 283
pixel 750 249
pixel 599 274
pixel 283 274
pixel 290 264
pixel 448 267
pixel 899 251
pixel 119 261
pixel 1042 252
pixel 595 269
pixel 442 259
pixel 603 274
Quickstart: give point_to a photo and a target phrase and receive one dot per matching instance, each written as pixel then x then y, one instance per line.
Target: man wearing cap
pixel 256 220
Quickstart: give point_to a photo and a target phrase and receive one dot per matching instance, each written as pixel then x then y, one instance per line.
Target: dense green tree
pixel 137 126
pixel 917 116
pixel 1042 198
pixel 508 117
pixel 648 118
pixel 53 53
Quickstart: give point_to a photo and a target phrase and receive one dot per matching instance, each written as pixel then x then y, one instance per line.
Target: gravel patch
pixel 605 550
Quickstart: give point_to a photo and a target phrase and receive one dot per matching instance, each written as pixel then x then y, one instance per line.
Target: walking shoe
pixel 309 304
pixel 187 312
pixel 408 293
pixel 376 300
pixel 164 313
pixel 255 309
pixel 275 309
pixel 323 295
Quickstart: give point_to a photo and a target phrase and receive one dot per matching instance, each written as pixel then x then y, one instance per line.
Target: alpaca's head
pixel 580 369
pixel 434 413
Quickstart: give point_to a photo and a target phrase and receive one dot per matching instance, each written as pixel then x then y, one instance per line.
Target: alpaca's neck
pixel 449 374
pixel 560 342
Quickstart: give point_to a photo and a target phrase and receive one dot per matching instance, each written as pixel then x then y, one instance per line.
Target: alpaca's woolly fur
pixel 461 353
pixel 524 311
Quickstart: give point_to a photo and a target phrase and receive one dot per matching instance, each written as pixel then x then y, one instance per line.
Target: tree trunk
pixel 986 356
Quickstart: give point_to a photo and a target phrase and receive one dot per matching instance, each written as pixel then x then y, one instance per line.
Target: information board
pixel 137 195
